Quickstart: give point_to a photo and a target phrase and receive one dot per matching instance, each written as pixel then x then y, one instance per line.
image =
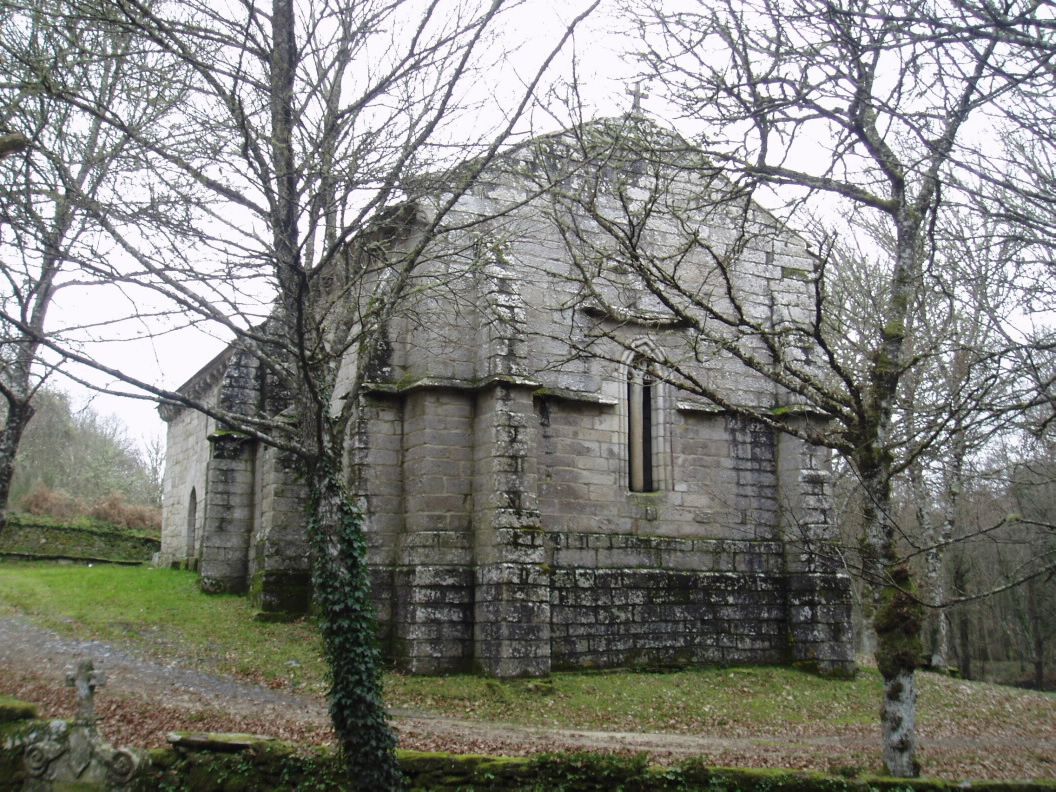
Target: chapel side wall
pixel 435 338
pixel 432 607
pixel 376 463
pixel 186 457
pixel 689 574
pixel 718 479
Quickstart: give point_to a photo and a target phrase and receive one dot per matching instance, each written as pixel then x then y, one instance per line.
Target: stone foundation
pixel 609 601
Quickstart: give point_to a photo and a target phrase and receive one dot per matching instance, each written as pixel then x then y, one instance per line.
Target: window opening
pixel 192 519
pixel 640 433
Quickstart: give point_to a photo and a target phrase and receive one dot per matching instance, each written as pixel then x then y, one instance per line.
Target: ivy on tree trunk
pixel 342 596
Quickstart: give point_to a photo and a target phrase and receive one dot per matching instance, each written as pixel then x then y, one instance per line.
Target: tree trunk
pixel 341 587
pixel 899 716
pixel 342 595
pixel 965 628
pixel 964 648
pixel 936 573
pixel 898 619
pixel 934 584
pixel 898 624
pixel 1034 614
pixel 18 415
pixel 940 653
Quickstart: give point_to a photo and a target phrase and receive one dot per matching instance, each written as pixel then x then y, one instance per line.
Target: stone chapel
pixel 538 496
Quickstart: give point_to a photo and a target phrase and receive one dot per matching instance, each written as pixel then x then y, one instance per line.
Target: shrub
pixel 112 510
pixel 116 511
pixel 45 502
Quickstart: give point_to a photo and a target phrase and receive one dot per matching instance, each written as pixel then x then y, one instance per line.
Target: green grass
pixel 743 700
pixel 161 611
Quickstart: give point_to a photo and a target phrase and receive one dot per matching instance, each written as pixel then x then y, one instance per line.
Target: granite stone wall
pixel 186 458
pixel 279 571
pixel 490 454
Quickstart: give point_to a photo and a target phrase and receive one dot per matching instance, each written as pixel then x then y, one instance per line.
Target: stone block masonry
pixel 511 631
pixel 536 493
pixel 659 601
pixel 229 478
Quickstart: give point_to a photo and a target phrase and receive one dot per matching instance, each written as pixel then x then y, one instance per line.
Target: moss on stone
pixel 30 540
pixel 233 434
pixel 898 623
pixel 13 737
pixel 796 273
pixel 11 710
pixel 281 595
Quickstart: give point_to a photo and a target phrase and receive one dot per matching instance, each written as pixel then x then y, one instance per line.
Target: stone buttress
pixel 495 453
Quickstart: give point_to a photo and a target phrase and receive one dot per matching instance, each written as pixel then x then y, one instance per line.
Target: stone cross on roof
pixel 85 680
pixel 637 94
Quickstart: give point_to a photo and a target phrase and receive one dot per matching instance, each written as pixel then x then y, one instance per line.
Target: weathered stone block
pixel 281 592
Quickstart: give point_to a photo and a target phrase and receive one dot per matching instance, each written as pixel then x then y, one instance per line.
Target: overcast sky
pixel 170 359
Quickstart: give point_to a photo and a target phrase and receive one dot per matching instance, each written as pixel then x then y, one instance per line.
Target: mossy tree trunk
pixel 897 618
pixel 896 621
pixel 898 626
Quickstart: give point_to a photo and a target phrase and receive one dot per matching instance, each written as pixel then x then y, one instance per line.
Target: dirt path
pixel 145 697
pixel 27 647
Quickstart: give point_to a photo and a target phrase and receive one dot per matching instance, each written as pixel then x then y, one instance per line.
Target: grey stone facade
pixel 492 459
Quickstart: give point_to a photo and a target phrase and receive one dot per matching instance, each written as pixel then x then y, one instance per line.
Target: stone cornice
pixel 447 383
pixel 199 383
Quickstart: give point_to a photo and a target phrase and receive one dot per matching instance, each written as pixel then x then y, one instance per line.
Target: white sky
pixel 170 359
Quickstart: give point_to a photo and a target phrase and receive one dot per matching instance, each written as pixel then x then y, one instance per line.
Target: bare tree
pixel 61 163
pixel 317 154
pixel 73 449
pixel 960 396
pixel 860 111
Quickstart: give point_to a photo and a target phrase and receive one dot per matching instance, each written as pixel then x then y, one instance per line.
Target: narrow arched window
pixel 192 519
pixel 641 388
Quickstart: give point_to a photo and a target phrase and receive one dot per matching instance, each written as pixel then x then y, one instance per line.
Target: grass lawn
pixel 162 612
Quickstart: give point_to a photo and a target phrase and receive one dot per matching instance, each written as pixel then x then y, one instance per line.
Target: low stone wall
pixel 37 541
pixel 59 755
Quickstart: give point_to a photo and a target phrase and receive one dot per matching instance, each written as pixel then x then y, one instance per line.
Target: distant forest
pixel 74 463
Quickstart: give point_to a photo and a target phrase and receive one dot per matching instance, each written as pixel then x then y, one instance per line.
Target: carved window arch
pixel 645 415
pixel 642 425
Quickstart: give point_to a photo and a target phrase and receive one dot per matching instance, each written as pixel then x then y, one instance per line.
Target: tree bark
pixel 1034 614
pixel 900 727
pixel 18 415
pixel 12 143
pixel 898 619
pixel 898 624
pixel 964 630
